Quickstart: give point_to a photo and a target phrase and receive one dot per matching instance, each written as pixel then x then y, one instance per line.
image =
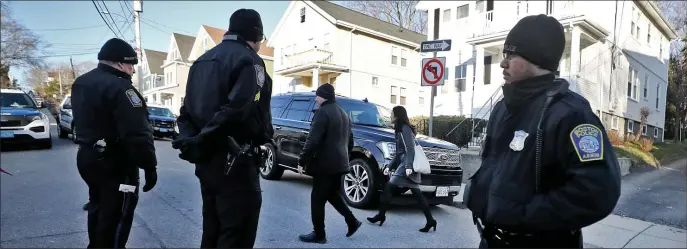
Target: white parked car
pixel 21 120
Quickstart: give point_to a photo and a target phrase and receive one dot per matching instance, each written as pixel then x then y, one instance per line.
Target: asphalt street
pixel 41 207
pixel 657 195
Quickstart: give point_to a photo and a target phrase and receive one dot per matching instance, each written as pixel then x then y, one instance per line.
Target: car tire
pixel 359 187
pixel 61 133
pixel 271 170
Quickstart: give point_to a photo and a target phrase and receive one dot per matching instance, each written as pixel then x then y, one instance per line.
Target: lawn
pixel 660 154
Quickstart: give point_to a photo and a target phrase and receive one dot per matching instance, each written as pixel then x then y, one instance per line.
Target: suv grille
pixel 14 121
pixel 443 161
pixel 163 124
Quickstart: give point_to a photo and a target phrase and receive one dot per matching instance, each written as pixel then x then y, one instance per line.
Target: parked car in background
pixel 65 126
pixel 163 120
pixel 21 120
pixel 374 149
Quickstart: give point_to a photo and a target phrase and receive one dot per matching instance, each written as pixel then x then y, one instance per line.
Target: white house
pixel 632 34
pixel 152 74
pixel 319 42
pixel 170 93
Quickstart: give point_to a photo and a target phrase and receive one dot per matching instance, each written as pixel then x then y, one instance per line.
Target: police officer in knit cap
pixel 548 168
pixel 224 123
pixel 115 139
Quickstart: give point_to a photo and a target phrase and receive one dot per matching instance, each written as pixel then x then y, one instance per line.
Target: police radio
pixel 235 151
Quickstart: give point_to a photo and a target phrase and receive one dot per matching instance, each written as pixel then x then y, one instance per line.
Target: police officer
pixel 548 168
pixel 115 140
pixel 227 104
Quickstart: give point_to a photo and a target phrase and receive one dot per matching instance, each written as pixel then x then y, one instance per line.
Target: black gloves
pixel 190 149
pixel 151 179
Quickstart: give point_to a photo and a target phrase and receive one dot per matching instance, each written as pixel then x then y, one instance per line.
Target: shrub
pixel 646 144
pixel 614 137
pixel 442 125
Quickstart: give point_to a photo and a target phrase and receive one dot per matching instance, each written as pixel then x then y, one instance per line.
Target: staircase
pixel 479 119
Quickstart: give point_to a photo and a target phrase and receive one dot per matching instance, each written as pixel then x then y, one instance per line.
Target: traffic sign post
pixel 433 70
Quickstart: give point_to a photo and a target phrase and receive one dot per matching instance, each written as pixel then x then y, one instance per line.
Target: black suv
pixel 374 148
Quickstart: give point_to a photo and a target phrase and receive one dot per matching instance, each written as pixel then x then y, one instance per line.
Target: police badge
pixel 260 75
pixel 518 142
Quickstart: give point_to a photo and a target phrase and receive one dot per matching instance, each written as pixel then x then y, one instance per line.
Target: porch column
pixel 575 52
pixel 315 78
pixel 479 66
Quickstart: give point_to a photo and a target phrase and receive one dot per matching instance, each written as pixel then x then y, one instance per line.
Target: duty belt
pixel 496 231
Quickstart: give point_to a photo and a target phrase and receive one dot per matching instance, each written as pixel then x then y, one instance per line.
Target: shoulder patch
pixel 133 98
pixel 587 139
pixel 259 75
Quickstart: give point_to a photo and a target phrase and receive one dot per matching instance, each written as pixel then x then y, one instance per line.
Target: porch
pixel 311 67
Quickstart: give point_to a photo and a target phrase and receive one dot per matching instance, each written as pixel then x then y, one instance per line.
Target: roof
pixel 351 16
pixel 9 90
pixel 155 59
pixel 184 44
pixel 265 50
pixel 215 33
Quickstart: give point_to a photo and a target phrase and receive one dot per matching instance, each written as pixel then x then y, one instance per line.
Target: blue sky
pixel 158 20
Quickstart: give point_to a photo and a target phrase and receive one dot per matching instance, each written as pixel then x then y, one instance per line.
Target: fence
pixel 462 136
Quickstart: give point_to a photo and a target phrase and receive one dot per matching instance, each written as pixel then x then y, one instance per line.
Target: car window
pixel 17 100
pixel 363 113
pixel 278 105
pixel 157 111
pixel 298 109
pixel 68 101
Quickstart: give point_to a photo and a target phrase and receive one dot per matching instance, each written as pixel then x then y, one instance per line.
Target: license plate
pixel 6 134
pixel 442 191
pixel 163 130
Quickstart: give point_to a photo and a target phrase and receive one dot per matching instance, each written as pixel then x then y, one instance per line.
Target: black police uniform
pixel 548 168
pixel 228 94
pixel 106 107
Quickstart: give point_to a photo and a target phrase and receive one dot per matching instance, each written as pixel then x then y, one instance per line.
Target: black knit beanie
pixel 247 24
pixel 326 91
pixel 540 39
pixel 118 50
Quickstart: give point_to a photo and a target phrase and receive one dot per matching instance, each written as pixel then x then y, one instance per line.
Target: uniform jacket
pixel 228 93
pixel 405 154
pixel 329 142
pixel 106 106
pixel 580 179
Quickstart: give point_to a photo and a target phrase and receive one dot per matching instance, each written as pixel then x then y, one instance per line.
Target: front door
pixel 294 130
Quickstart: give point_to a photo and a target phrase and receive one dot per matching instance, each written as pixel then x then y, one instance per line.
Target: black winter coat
pixel 329 142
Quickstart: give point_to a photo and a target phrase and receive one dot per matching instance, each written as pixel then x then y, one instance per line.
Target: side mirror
pixel 175 116
pixel 41 105
pixel 67 106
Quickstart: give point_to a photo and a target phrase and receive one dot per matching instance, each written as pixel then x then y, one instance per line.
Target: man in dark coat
pixel 325 157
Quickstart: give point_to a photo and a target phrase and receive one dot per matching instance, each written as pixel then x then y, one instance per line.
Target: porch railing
pixel 499 20
pixel 477 123
pixel 311 56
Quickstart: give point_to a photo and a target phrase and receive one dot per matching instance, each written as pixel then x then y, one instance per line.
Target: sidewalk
pixel 620 232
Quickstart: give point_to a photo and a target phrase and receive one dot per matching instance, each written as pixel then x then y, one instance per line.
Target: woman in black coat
pixel 403 176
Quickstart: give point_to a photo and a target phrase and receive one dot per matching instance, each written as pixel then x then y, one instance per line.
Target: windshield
pixel 367 114
pixel 17 100
pixel 164 112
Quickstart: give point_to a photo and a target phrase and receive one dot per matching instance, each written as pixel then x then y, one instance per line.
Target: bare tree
pixel 675 11
pixel 643 116
pixel 401 13
pixel 20 46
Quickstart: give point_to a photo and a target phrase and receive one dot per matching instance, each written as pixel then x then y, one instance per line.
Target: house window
pixel 632 22
pixel 658 95
pixel 444 88
pixel 303 15
pixel 325 41
pixel 648 34
pixel 632 83
pixel 479 6
pixel 487 70
pixel 656 132
pixel 375 81
pixel 630 125
pixel 549 7
pixel 660 48
pixel 463 11
pixel 404 60
pixel 461 73
pixel 403 96
pixel 644 130
pixel 646 86
pixel 394 55
pixel 182 100
pixel 421 100
pixel 393 94
pixel 447 15
pixel 614 123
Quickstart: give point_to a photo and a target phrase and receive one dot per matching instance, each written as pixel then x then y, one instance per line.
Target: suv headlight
pixel 37 118
pixel 388 149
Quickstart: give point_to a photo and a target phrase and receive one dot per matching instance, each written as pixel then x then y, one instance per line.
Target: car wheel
pixel 61 133
pixel 359 186
pixel 271 170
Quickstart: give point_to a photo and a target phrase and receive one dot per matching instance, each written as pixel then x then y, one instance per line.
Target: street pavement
pixel 41 207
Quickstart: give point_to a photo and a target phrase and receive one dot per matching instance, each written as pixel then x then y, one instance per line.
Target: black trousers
pixel 492 238
pixel 230 218
pixel 421 200
pixel 110 212
pixel 327 188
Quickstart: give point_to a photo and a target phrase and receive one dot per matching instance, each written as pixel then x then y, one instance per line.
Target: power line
pixel 107 10
pixel 152 26
pixel 101 17
pixel 67 29
pixel 61 55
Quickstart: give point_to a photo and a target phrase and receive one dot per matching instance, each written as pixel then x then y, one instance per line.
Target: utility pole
pixel 72 63
pixel 59 80
pixel 138 9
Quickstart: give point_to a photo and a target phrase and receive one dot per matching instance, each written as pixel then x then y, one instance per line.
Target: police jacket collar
pixel 519 94
pixel 235 38
pixel 329 101
pixel 112 70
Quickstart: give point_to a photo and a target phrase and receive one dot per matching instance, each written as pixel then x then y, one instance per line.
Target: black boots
pixel 313 238
pixel 430 224
pixel 379 217
pixel 353 227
